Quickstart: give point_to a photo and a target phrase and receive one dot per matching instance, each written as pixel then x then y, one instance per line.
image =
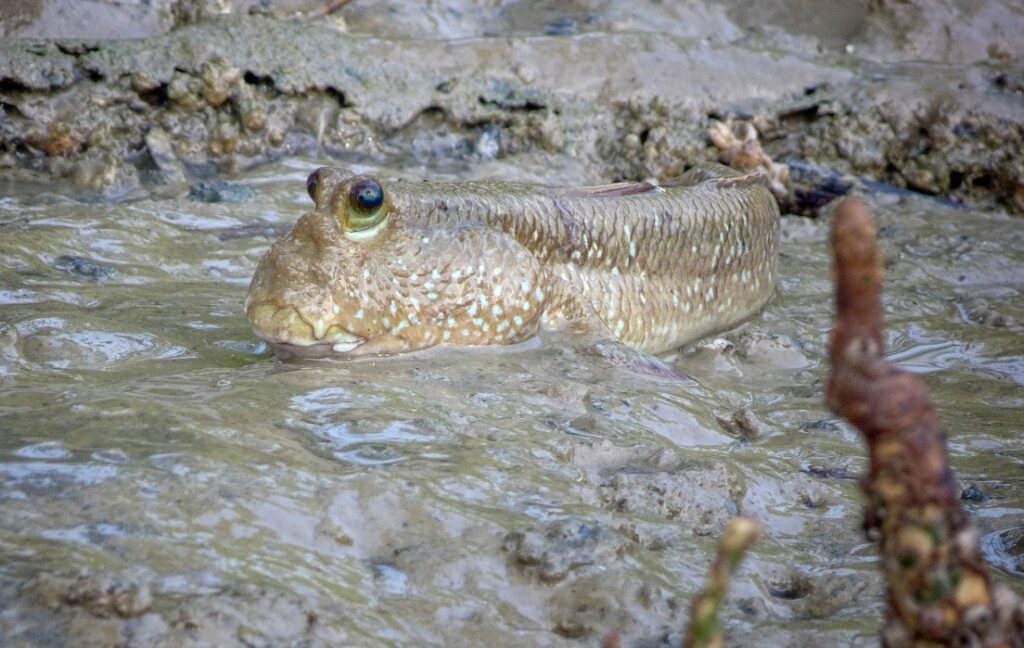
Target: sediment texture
pixel 228 93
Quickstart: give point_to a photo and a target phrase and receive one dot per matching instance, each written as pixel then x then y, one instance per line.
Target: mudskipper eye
pixel 366 195
pixel 365 205
pixel 311 184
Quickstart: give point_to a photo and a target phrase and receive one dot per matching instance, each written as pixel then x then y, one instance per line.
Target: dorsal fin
pixel 756 177
pixel 718 175
pixel 614 190
pixel 702 173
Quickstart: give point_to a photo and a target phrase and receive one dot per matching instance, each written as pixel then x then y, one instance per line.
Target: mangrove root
pixel 939 588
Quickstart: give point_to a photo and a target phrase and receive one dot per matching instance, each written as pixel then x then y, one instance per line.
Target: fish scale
pixel 487 262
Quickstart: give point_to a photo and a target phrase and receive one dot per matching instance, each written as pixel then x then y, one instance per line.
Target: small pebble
pixel 220 191
pixel 488 143
pixel 561 26
pixel 83 266
pixel 973 494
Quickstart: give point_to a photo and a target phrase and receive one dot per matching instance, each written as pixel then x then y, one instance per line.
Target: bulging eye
pixel 365 205
pixel 312 182
pixel 366 195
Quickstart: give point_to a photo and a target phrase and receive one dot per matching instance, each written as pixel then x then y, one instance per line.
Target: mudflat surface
pixel 164 481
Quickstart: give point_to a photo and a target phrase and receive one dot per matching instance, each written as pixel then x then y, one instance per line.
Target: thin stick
pixel 328 9
pixel 939 589
pixel 705 630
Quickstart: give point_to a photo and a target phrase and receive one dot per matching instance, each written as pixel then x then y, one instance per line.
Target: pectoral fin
pixel 635 361
pixel 720 176
pixel 576 324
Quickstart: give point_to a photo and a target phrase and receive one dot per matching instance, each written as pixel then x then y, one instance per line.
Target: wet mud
pixel 164 481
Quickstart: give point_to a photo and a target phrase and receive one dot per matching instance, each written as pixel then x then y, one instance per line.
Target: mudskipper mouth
pixel 291 334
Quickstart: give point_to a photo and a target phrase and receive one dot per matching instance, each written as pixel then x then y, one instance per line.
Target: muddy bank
pixel 226 93
pixel 165 482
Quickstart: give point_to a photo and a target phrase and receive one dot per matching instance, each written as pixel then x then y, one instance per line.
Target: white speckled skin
pixel 488 262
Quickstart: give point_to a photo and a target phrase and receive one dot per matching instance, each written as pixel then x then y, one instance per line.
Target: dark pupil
pixel 311 183
pixel 366 195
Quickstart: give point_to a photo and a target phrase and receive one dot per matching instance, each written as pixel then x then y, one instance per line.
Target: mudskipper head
pixel 357 276
pixel 310 293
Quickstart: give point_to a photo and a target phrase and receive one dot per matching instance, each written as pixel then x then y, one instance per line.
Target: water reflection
pixel 145 428
pixel 53 476
pixel 354 428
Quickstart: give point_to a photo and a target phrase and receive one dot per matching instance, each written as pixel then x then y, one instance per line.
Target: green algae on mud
pixel 539 493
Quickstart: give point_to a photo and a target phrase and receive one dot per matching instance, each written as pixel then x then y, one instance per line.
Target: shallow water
pixel 542 494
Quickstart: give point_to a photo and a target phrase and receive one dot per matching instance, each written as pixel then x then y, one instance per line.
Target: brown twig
pixel 328 9
pixel 740 149
pixel 612 640
pixel 705 630
pixel 939 589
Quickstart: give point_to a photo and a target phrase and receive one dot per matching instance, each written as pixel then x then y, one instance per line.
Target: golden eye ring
pixel 366 208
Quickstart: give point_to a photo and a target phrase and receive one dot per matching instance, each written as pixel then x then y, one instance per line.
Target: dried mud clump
pixel 107 610
pixel 939 587
pixel 935 145
pixel 137 128
pixel 651 139
pixel 219 94
pixel 102 596
pixel 562 547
